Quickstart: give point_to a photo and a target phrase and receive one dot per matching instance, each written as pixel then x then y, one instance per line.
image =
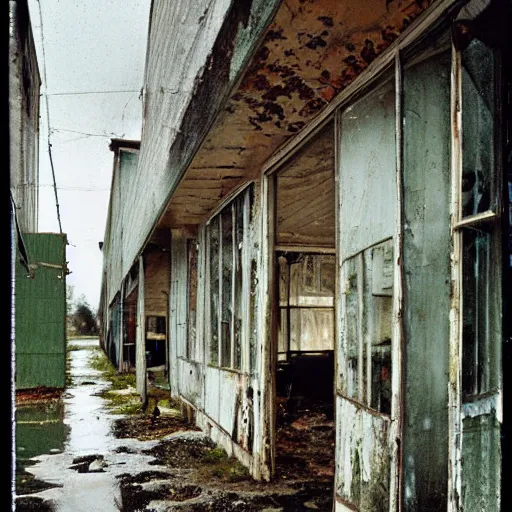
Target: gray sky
pixel 92 47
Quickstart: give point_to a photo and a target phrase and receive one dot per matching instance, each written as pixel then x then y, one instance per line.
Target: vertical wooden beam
pixel 397 343
pixel 140 365
pixel 455 376
pixel 121 328
pixel 234 306
pixel 266 326
pixel 220 302
pixel 246 285
pixel 360 337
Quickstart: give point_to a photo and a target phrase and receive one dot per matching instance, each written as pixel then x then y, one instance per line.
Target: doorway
pixel 303 313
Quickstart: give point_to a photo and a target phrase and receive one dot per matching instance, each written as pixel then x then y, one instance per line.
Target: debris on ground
pixel 305 445
pixel 39 394
pixel 144 428
pixel 201 476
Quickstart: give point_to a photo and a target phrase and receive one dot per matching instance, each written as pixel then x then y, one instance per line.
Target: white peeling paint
pixel 486 405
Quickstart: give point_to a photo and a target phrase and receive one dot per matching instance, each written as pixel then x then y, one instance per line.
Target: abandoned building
pixel 38 260
pixel 317 226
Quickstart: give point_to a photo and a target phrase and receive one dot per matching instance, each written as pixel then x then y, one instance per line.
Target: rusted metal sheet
pixel 191 382
pixel 157 282
pixel 212 386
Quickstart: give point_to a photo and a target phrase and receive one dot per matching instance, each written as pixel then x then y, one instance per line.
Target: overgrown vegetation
pixel 121 403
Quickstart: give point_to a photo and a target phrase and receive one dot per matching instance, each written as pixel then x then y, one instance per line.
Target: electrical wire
pixel 48 118
pixel 78 93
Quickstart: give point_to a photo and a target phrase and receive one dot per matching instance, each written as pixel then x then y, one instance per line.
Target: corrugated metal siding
pixel 41 315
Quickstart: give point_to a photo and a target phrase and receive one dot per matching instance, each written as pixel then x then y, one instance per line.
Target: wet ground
pixel 51 436
pixel 76 453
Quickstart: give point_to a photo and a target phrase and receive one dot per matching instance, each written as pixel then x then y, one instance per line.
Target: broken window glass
pixel 352 341
pixel 239 234
pixel 213 323
pixel 380 315
pixel 478 110
pixel 480 312
pixel 282 325
pixel 227 285
pixel 192 298
pixel 226 278
pixel 368 326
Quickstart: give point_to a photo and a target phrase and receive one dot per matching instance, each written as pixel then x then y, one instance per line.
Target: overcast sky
pixel 92 50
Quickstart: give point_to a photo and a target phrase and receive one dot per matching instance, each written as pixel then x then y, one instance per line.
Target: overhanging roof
pixel 311 51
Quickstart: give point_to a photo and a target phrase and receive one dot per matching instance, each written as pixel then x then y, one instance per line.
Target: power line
pixel 48 117
pixel 77 93
pixel 79 189
pixel 107 135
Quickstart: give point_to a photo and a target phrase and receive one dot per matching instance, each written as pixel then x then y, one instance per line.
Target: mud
pixel 145 428
pixel 203 477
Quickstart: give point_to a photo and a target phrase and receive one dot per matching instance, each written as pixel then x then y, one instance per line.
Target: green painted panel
pixel 481 463
pixel 40 309
pixel 426 260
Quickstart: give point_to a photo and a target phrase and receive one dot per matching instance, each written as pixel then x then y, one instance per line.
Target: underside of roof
pixel 310 52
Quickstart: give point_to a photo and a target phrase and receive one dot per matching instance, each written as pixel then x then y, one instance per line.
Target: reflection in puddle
pixel 40 429
pixel 54 436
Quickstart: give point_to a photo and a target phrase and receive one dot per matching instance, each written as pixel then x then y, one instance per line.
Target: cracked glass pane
pixel 478 109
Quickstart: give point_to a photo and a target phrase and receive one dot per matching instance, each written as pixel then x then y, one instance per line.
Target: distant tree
pixel 83 318
pixel 70 292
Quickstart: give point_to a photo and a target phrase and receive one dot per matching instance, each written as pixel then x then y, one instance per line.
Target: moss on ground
pixel 71 347
pixel 120 403
pixel 220 465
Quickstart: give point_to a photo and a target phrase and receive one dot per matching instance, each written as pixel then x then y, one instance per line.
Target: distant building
pixel 118 307
pixel 331 176
pixel 38 260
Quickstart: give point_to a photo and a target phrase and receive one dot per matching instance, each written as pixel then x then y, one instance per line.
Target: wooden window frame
pixel 243 196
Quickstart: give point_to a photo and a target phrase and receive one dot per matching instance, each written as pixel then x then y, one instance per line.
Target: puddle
pixel 77 427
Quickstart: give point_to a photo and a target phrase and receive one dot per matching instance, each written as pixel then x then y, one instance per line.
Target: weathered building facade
pixel 38 260
pixel 334 180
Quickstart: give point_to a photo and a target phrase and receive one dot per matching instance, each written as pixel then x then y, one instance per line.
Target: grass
pixel 121 404
pixel 71 348
pixel 219 465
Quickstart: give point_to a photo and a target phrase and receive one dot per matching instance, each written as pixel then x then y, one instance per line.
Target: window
pixel 478 223
pixel 306 303
pixel 225 249
pixel 192 298
pixel 367 158
pixel 368 316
